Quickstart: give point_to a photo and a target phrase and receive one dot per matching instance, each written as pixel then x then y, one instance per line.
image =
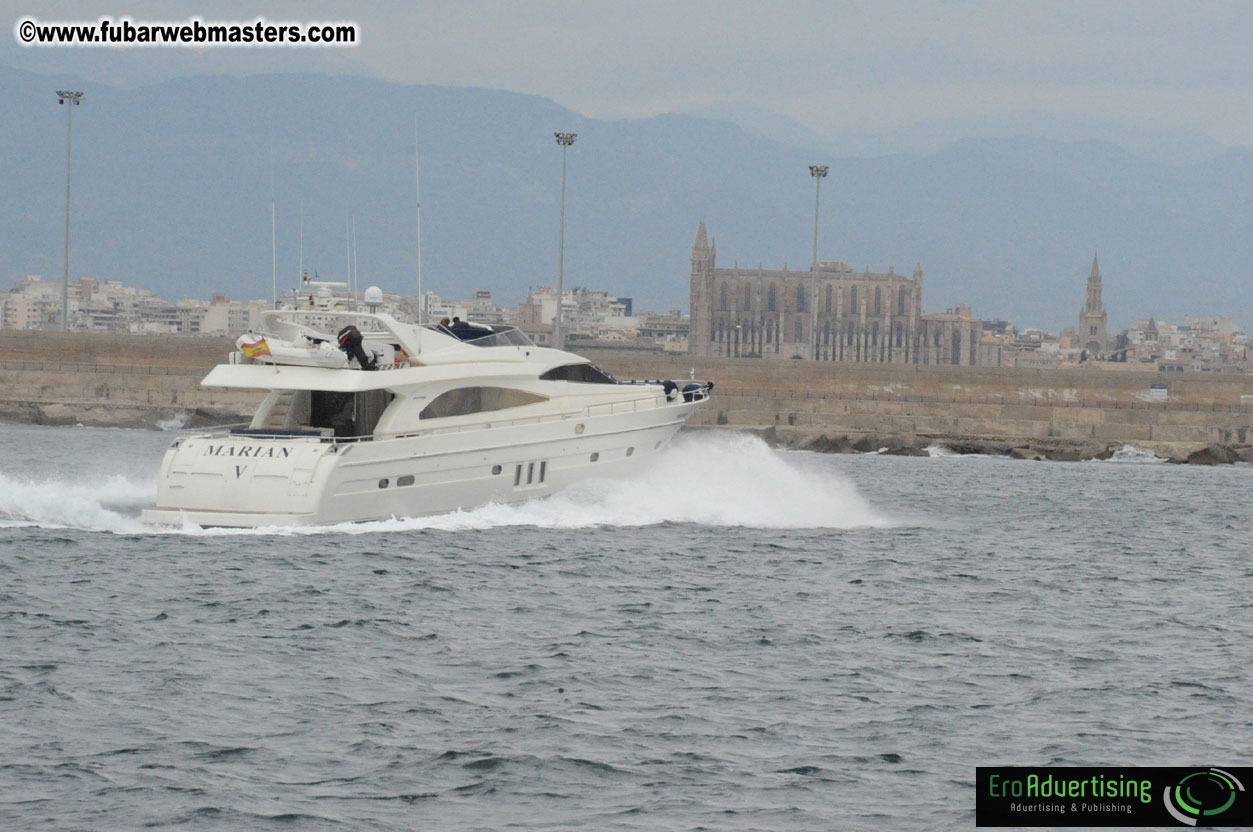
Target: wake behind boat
pixel 389 419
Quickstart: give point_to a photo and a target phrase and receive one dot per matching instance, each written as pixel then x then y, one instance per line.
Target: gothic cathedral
pixel 862 317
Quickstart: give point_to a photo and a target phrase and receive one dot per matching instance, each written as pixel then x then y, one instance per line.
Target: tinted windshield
pixel 486 336
pixel 502 337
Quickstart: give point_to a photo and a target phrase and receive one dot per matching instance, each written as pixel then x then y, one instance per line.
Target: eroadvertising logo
pixel 1204 796
pixel 1113 796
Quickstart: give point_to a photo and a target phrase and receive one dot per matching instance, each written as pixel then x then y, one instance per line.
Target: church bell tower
pixel 1093 321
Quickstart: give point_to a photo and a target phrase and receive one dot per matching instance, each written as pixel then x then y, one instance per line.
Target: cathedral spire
pixel 1093 320
pixel 1093 303
pixel 703 254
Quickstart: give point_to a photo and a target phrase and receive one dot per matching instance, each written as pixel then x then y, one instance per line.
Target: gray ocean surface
pixel 738 639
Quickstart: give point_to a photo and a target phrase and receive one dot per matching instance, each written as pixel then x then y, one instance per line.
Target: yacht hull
pixel 252 480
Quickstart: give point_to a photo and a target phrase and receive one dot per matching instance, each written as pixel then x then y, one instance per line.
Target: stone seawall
pixel 115 380
pixel 1047 408
pixel 97 378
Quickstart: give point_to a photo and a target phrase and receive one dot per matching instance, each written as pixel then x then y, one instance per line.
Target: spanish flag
pixel 256 348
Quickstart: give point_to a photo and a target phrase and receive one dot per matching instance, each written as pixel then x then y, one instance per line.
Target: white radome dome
pixel 374 296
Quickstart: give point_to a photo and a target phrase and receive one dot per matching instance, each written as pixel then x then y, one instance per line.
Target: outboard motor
pixel 350 339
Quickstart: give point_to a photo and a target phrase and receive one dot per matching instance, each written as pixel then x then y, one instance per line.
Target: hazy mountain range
pixel 172 187
pixel 934 135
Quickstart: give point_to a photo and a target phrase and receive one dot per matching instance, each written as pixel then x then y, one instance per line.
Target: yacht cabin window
pixel 585 373
pixel 465 400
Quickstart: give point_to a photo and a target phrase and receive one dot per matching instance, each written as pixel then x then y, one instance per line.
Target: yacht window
pixel 348 414
pixel 495 469
pixel 585 373
pixel 465 400
pixel 407 479
pixel 328 409
pixel 383 483
pixel 543 469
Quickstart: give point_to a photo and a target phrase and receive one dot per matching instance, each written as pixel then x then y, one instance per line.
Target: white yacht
pixel 389 419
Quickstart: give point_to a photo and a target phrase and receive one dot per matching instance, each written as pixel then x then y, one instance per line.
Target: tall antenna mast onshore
pixel 417 192
pixel 273 236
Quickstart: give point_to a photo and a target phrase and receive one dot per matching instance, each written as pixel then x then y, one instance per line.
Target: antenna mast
pixel 273 236
pixel 417 192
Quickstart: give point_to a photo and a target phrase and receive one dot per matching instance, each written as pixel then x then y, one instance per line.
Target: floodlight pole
pixel 273 237
pixel 565 140
pixel 75 99
pixel 817 172
pixel 417 195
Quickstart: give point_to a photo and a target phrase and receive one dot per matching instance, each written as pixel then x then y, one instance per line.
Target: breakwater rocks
pixel 1039 450
pixel 1219 455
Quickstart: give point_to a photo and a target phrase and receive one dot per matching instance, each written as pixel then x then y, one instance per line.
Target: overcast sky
pixel 1159 65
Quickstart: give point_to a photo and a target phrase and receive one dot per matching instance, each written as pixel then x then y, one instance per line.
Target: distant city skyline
pixel 47 291
pixel 745 315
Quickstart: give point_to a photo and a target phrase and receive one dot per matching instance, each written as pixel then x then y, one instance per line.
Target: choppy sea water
pixel 737 639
